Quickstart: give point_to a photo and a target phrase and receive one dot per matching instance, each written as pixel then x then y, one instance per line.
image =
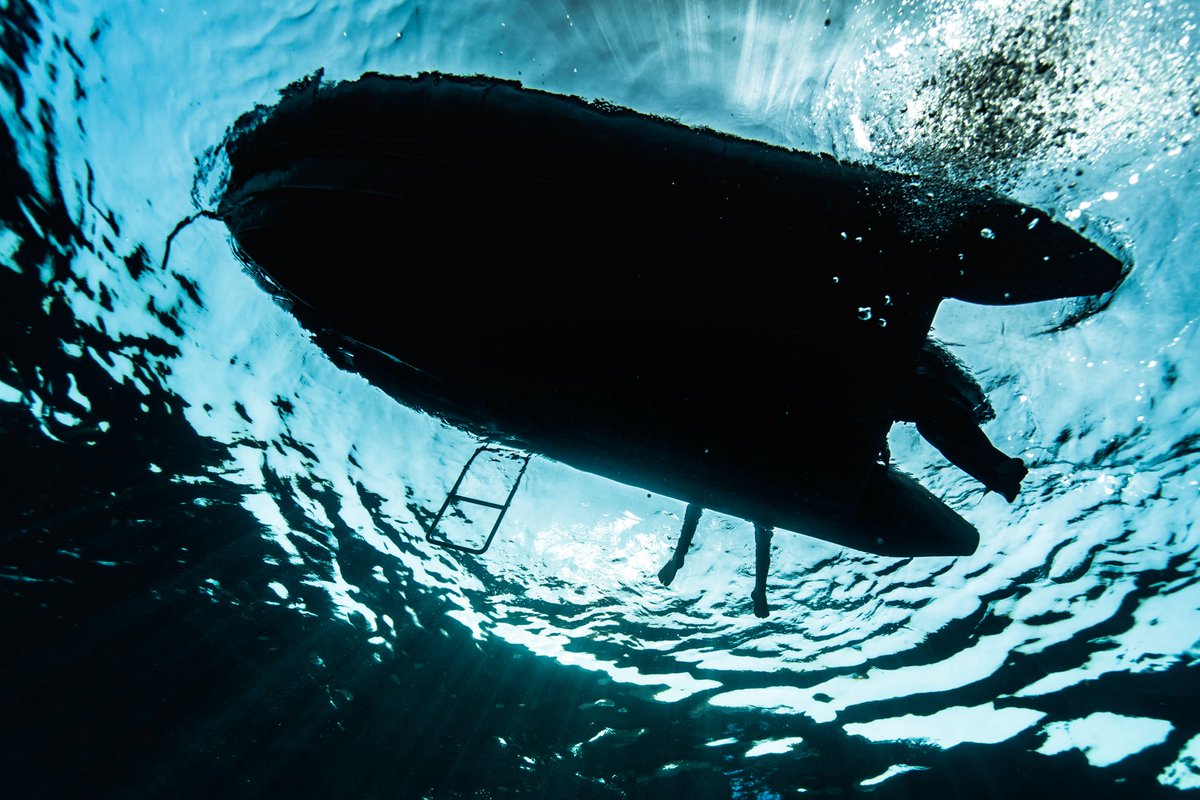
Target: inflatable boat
pixel 714 319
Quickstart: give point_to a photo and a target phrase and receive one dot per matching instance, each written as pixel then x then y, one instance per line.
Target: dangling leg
pixel 691 518
pixel 953 432
pixel 762 565
pixel 948 407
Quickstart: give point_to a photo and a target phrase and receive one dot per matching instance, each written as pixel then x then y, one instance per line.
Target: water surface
pixel 214 576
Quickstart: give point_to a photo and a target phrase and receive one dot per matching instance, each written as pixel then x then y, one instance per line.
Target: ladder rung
pixel 477 502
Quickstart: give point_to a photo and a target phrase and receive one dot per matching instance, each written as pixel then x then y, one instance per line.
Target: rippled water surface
pixel 213 570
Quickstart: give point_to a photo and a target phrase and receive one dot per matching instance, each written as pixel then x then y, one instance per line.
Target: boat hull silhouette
pixel 714 319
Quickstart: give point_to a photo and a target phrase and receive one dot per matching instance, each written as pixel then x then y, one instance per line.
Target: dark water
pixel 213 577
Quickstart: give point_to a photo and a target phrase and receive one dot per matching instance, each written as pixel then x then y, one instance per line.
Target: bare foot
pixel 761 610
pixel 1008 479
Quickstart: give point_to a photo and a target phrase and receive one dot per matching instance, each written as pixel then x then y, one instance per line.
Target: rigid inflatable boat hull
pixel 719 320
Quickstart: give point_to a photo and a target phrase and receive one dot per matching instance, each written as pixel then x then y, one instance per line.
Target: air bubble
pixel 988 233
pixel 864 313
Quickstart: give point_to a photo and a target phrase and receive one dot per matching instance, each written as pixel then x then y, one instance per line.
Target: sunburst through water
pixel 215 576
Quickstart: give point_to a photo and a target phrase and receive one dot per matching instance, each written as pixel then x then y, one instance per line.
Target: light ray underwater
pixel 694 398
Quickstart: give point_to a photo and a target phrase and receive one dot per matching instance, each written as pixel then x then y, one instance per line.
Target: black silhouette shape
pixel 715 319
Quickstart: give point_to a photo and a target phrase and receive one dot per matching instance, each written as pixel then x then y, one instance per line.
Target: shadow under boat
pixel 714 319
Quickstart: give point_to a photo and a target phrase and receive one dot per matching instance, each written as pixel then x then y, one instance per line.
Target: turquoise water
pixel 214 577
